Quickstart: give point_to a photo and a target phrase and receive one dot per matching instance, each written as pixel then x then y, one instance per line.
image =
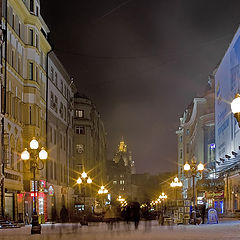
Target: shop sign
pixel 212 216
pixel 219 194
pixel 50 190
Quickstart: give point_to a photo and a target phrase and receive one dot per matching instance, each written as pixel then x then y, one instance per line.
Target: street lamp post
pixel 162 197
pixel 35 156
pixel 193 169
pixel 176 184
pixel 102 191
pixel 84 179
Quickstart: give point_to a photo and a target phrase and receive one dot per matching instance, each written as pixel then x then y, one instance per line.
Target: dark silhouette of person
pixel 136 213
pixel 203 212
pixel 64 214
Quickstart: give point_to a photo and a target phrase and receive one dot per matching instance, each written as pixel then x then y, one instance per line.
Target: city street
pixel 228 229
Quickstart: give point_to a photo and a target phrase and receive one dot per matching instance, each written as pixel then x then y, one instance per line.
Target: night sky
pixel 141 62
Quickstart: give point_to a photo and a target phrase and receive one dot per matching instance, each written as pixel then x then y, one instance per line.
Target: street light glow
pixel 89 180
pixel 25 155
pixel 84 175
pixel 200 167
pixel 34 144
pixel 43 155
pixel 79 180
pixel 186 167
pixel 235 105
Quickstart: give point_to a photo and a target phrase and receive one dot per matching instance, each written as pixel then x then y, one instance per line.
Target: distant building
pixel 89 144
pixel 196 135
pixel 120 170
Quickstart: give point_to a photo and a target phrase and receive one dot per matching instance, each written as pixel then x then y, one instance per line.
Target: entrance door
pixel 9 206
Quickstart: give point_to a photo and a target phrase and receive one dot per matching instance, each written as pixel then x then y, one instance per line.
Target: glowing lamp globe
pixel 79 180
pixel 89 180
pixel 25 155
pixel 34 144
pixel 84 175
pixel 43 155
pixel 186 167
pixel 100 191
pixel 235 105
pixel 200 167
pixel 105 191
pixel 102 187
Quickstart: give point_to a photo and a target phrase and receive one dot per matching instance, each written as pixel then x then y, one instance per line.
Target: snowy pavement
pixel 227 230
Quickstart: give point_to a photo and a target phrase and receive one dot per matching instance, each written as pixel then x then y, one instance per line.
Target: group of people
pixel 129 213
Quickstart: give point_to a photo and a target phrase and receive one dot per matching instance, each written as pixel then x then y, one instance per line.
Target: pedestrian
pixel 110 216
pixel 64 214
pixel 203 212
pixel 136 213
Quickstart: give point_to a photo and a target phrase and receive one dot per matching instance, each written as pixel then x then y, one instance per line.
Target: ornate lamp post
pixel 193 168
pixel 176 184
pixel 84 179
pixel 102 192
pixel 36 156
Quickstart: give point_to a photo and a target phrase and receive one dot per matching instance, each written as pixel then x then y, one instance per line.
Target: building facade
pixel 196 137
pixel 89 144
pixel 60 137
pixel 24 72
pixel 227 84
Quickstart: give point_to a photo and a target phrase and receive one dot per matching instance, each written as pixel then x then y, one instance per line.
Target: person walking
pixel 136 213
pixel 64 214
pixel 203 212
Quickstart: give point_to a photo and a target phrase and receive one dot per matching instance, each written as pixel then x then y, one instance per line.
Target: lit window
pixel 114 182
pixel 79 113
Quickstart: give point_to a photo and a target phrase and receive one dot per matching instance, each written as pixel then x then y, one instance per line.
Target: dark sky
pixel 142 62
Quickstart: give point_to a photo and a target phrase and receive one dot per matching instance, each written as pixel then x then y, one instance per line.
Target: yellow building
pixel 25 117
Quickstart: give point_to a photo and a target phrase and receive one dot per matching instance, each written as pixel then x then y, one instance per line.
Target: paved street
pixel 225 230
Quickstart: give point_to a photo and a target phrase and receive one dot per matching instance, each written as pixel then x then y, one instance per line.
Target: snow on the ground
pixel 227 230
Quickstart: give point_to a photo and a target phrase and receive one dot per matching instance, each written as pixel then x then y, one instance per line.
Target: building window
pixel 37 11
pixel 13 21
pixel 60 140
pixel 19 29
pixel 79 113
pixel 55 136
pixel 181 154
pixel 36 41
pixel 31 6
pixel 80 130
pixel 56 104
pixel 31 37
pixel 114 182
pixel 55 170
pixel 50 134
pixel 52 74
pixel 180 139
pixel 61 110
pixel 61 86
pixel 121 182
pixel 56 79
pixel 12 63
pixel 37 78
pixel 188 132
pixel 79 148
pixel 31 71
pixel 187 148
pixel 65 113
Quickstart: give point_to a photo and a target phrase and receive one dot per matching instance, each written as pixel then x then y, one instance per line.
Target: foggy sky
pixel 141 62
